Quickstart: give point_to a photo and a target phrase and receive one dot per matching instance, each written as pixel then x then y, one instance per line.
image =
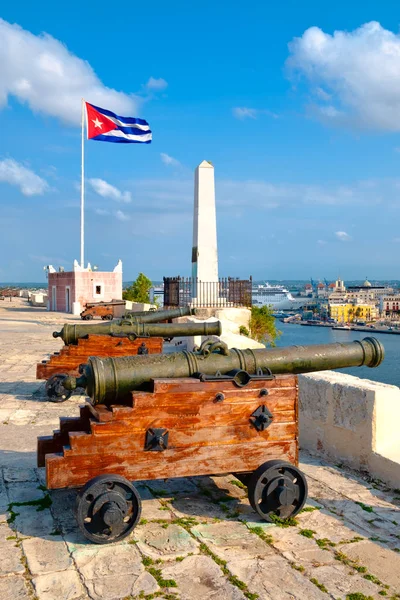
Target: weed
pixel 147 561
pixel 11 537
pixel 143 521
pixel 396 490
pixel 309 509
pixel 308 533
pixel 159 493
pixel 251 596
pixel 357 538
pixel 266 537
pixel 41 503
pixel 365 507
pixel 359 568
pixel 382 593
pixel 180 558
pixel 186 522
pixel 297 567
pixel 319 585
pixel 358 596
pixel 238 484
pixel 231 578
pixel 324 543
pixel 396 549
pixel 372 578
pixel 289 522
pixel 371 520
pixel 163 583
pixel 56 532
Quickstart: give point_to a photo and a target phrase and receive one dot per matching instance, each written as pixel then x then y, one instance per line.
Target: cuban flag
pixel 104 126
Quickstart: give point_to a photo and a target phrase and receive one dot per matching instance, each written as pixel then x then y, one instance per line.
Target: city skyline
pixel 297 109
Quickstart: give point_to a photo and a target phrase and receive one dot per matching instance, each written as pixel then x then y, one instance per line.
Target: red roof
pixel 320 285
pixel 308 286
pixel 332 285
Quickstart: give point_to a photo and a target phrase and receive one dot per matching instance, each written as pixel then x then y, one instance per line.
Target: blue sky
pixel 297 107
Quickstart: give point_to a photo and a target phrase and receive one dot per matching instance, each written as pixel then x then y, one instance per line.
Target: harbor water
pixel 387 372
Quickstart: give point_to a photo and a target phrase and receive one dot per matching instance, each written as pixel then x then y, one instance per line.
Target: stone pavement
pixel 198 538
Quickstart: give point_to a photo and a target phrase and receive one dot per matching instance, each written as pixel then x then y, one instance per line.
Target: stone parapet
pixel 351 421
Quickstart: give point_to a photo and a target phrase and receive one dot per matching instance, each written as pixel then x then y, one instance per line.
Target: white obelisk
pixel 204 251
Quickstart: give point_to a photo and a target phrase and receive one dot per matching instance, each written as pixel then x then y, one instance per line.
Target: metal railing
pixel 226 292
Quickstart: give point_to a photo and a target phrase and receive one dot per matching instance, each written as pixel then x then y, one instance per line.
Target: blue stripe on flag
pixel 133 130
pixel 130 120
pixel 110 138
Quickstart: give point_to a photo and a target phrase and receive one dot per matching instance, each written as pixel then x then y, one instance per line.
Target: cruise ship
pixel 277 297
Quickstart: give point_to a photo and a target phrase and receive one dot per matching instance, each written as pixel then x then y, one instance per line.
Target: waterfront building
pixel 390 305
pixel 346 312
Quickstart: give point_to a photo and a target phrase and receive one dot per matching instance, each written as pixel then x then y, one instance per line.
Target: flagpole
pixel 83 189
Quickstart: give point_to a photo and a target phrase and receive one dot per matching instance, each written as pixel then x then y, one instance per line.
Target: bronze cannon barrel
pixel 110 380
pixel 155 316
pixel 125 328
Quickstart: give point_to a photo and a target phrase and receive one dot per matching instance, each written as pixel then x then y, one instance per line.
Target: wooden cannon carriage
pixel 211 411
pixel 182 427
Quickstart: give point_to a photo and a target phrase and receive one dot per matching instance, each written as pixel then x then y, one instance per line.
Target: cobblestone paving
pixel 198 537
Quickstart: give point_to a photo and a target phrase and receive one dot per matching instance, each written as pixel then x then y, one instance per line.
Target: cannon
pixel 111 380
pixel 155 316
pixel 212 411
pixel 126 328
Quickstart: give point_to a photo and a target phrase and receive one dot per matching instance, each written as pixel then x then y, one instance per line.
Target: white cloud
pixel 28 182
pixel 359 72
pixel 243 112
pixel 156 84
pixel 342 236
pixel 121 216
pixel 101 211
pixel 41 72
pixel 169 160
pixel 322 242
pixel 106 190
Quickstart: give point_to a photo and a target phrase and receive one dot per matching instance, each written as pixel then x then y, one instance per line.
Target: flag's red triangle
pixel 97 123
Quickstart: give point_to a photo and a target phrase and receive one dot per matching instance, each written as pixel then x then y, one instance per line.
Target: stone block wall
pixel 352 421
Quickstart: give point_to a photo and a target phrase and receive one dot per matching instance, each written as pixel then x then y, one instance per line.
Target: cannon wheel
pixel 108 508
pixel 277 489
pixel 107 318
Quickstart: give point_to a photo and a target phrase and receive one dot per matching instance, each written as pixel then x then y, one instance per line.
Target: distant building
pixel 347 312
pixel 322 291
pixel 70 291
pixel 390 305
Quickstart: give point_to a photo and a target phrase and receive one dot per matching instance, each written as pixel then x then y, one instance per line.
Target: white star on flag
pixel 97 123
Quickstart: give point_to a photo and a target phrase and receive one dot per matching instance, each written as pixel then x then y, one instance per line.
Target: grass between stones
pixel 324 543
pixel 341 557
pixel 149 563
pixel 319 585
pixel 186 523
pixel 41 503
pixel 204 549
pixel 365 507
pixel 309 509
pixel 308 533
pixel 238 484
pixel 290 522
